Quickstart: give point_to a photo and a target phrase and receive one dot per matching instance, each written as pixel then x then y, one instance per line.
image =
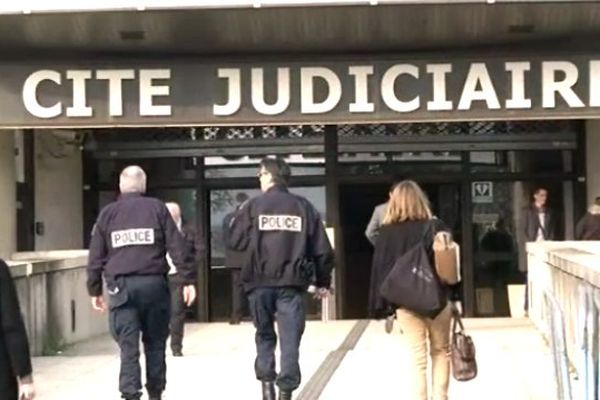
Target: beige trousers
pixel 415 331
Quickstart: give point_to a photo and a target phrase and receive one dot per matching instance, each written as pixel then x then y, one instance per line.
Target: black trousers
pixel 287 306
pixel 239 298
pixel 177 312
pixel 140 305
pixel 9 386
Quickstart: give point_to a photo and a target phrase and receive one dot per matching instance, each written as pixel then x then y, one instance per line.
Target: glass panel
pixel 499 209
pixel 186 198
pixel 223 202
pixel 532 161
pixel 157 169
pixel 447 165
pixel 245 166
pixel 407 156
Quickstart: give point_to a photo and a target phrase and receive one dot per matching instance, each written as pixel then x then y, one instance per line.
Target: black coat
pixel 14 346
pixel 234 259
pixel 132 237
pixel 588 228
pixel 393 241
pixel 284 240
pixel 531 224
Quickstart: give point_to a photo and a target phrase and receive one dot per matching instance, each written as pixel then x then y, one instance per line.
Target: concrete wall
pixel 593 159
pixel 54 300
pixel 58 191
pixel 8 194
pixel 564 296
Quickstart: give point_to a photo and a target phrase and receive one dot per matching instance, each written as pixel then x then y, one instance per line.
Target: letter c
pixel 30 94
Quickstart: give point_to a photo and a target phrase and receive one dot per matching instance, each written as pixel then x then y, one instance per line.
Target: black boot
pixel 285 395
pixel 155 396
pixel 268 390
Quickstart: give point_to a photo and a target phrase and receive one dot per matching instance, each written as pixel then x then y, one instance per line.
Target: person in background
pixel 409 220
pixel 129 245
pixel 371 233
pixel 377 219
pixel 539 221
pixel 16 379
pixel 588 227
pixel 234 260
pixel 194 254
pixel 538 226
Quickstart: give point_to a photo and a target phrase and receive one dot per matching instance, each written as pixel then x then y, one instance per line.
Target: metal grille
pixel 248 133
pixel 459 128
pixel 210 133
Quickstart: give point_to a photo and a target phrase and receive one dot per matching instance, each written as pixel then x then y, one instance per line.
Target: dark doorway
pixel 357 202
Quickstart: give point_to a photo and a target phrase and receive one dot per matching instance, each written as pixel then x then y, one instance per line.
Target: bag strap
pixel 428 232
pixel 456 320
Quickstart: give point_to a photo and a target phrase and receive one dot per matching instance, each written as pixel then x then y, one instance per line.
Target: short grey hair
pixel 132 180
pixel 174 210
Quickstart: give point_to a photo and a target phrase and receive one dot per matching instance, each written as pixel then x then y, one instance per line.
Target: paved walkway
pixel 218 364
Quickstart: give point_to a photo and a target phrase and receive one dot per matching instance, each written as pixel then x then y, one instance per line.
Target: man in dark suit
pixel 538 221
pixel 538 225
pixel 234 260
pixel 15 363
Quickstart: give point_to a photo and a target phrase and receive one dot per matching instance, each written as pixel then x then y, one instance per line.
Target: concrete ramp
pixel 340 360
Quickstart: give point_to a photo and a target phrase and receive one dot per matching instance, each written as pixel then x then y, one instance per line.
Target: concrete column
pixel 592 148
pixel 58 191
pixel 8 194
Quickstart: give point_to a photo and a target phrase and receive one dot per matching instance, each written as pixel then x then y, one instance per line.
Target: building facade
pixel 480 103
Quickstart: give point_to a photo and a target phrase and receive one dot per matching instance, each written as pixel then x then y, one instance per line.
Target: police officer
pixel 128 246
pixel 286 247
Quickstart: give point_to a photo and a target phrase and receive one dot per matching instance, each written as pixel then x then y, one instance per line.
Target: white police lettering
pixel 279 223
pixel 132 237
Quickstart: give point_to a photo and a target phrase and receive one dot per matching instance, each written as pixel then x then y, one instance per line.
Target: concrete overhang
pixel 234 27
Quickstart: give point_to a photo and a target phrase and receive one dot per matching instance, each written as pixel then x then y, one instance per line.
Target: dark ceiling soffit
pixel 576 44
pixel 270 5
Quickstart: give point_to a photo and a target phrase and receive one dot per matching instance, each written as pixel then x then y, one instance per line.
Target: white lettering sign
pixel 551 85
pixel 307 97
pixel 478 86
pixel 132 237
pixel 293 92
pixel 30 97
pixel 79 81
pixel 280 223
pixel 283 92
pixel 389 94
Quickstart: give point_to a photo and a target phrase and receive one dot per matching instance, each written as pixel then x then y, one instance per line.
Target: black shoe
pixel 177 353
pixel 234 322
pixel 285 395
pixel 152 396
pixel 268 390
pixel 136 396
pixel 389 323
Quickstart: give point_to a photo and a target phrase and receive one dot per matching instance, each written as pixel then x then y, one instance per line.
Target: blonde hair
pixel 407 202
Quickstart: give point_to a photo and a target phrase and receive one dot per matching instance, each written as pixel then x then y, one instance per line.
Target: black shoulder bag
pixel 412 283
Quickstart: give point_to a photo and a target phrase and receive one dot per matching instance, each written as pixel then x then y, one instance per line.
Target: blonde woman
pixel 409 220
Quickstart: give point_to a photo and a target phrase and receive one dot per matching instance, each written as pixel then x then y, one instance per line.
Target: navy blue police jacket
pixel 131 237
pixel 284 239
